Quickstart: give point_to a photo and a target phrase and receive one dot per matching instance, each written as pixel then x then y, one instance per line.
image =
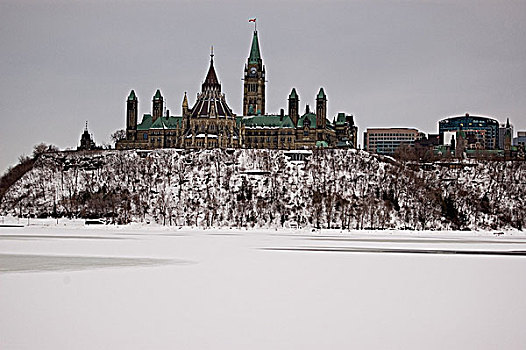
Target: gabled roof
pixel 146 122
pixel 311 117
pixel 267 121
pixel 255 55
pixel 340 119
pixel 160 123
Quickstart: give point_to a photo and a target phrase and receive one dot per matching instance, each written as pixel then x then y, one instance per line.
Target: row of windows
pixel 268 139
pixel 391 134
pixel 390 143
pixel 210 144
pixel 211 127
pixel 400 139
pixel 163 133
pixel 270 133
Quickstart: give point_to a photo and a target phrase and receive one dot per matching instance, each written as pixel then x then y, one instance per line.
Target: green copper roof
pixel 322 144
pixel 255 56
pixel 267 121
pixel 132 96
pixel 157 95
pixel 321 94
pixel 341 119
pixel 160 123
pixel 311 117
pixel 293 93
pixel 146 122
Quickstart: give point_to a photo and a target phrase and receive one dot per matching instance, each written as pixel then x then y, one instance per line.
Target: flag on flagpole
pixel 252 20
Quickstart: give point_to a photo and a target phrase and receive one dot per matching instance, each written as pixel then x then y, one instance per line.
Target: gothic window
pixel 145 136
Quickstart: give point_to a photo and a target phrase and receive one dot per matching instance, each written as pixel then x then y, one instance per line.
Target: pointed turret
pixel 132 96
pixel 211 81
pixel 293 94
pixel 321 94
pixel 321 109
pixel 294 106
pixel 157 108
pixel 185 104
pixel 131 116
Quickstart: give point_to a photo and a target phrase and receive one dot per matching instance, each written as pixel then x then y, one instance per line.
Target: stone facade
pixel 211 123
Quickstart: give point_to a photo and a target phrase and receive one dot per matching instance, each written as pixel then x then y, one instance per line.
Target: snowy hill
pixel 264 188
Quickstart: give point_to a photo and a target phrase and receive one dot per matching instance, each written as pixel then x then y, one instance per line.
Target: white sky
pixel 390 63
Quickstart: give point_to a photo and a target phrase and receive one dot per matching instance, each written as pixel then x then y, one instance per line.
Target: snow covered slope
pixel 263 188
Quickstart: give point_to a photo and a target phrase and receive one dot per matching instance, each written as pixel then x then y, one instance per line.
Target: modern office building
pixel 520 140
pixel 483 132
pixel 388 140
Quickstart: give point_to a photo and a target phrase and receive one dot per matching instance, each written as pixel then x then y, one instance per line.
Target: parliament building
pixel 211 123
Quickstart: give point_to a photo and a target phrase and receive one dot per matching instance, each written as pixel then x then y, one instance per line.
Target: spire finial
pixel 253 20
pixel 212 53
pixel 86 125
pixel 185 101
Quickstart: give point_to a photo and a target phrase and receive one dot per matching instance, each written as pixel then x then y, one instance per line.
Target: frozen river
pixel 137 288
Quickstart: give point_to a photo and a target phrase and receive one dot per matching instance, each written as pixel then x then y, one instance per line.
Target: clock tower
pixel 254 81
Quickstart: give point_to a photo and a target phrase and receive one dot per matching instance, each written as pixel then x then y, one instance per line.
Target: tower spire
pixel 255 55
pixel 254 79
pixel 211 80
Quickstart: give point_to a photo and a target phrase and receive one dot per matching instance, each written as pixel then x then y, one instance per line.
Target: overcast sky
pixel 389 63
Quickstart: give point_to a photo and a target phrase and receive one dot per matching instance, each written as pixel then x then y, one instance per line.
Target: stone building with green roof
pixel 211 123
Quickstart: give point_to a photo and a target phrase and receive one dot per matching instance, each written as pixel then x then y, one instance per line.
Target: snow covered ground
pixel 136 287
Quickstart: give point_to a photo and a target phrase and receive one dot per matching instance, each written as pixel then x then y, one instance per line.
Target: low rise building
pixel 520 140
pixel 388 140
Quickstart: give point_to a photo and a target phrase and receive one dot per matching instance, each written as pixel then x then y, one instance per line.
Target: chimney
pixel 307 109
pixel 167 113
pixel 281 114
